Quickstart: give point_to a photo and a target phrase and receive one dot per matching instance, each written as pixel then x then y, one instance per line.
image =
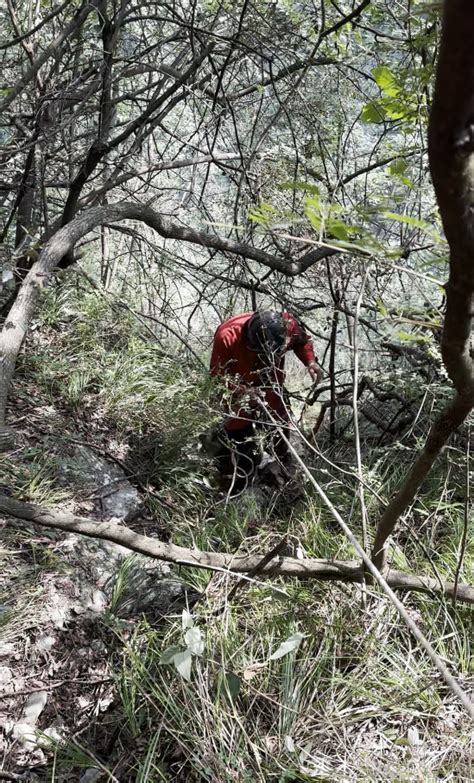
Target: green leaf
pixel 406 337
pixel 341 230
pixel 194 641
pixel 373 112
pixel 313 202
pixel 366 245
pixel 312 211
pixel 337 229
pixel 182 662
pixel 413 221
pixel 187 620
pixel 398 166
pixel 314 220
pixel 289 645
pixel 168 654
pixel 230 684
pixel 263 214
pixel 299 185
pixel 386 80
pixel 397 110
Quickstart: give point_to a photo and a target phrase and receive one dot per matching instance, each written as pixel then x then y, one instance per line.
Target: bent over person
pixel 249 354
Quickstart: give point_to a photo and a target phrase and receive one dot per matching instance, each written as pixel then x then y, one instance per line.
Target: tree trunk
pixel 451 153
pixel 257 563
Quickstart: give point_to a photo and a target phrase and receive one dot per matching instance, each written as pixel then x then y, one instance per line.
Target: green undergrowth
pixel 285 680
pixel 297 686
pixel 90 359
pixel 113 383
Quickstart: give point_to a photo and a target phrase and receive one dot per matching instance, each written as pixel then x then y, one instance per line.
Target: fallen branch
pixel 308 568
pixel 272 555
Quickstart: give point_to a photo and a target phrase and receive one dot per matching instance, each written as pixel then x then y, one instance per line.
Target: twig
pixel 271 555
pixel 450 681
pixel 53 685
pixel 355 396
pixel 467 502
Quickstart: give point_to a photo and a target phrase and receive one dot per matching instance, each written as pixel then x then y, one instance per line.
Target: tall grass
pixel 354 699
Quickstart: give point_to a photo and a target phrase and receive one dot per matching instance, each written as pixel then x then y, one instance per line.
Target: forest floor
pixel 90 685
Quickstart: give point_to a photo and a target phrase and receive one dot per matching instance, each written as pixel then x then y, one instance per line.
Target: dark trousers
pixel 240 453
pixel 238 456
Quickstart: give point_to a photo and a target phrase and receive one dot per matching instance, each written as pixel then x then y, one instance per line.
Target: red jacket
pixel 243 367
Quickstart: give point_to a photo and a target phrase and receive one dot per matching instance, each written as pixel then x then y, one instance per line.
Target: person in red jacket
pixel 249 354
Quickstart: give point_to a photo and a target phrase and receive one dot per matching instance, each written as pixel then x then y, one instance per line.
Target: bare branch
pixel 308 568
pixel 76 22
pixel 45 21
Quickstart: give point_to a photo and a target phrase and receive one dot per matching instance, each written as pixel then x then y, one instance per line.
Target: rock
pixel 130 584
pixel 7 649
pixel 101 560
pixel 98 601
pixel 57 606
pixel 7 438
pixel 142 589
pixel 50 736
pixel 91 775
pixel 45 643
pixel 25 734
pixel 102 481
pixel 34 707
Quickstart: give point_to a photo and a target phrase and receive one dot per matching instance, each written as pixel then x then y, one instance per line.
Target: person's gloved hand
pixel 316 372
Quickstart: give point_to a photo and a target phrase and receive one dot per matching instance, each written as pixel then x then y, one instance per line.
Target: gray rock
pixel 141 588
pixel 45 643
pixel 34 707
pixel 6 676
pixel 129 584
pixel 103 481
pixel 91 775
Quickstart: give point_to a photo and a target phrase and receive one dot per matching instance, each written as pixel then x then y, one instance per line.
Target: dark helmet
pixel 266 332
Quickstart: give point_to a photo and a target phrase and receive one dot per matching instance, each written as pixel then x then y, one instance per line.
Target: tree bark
pixel 451 154
pixel 308 568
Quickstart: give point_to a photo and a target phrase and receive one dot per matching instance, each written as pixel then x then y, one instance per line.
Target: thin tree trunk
pixel 451 153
